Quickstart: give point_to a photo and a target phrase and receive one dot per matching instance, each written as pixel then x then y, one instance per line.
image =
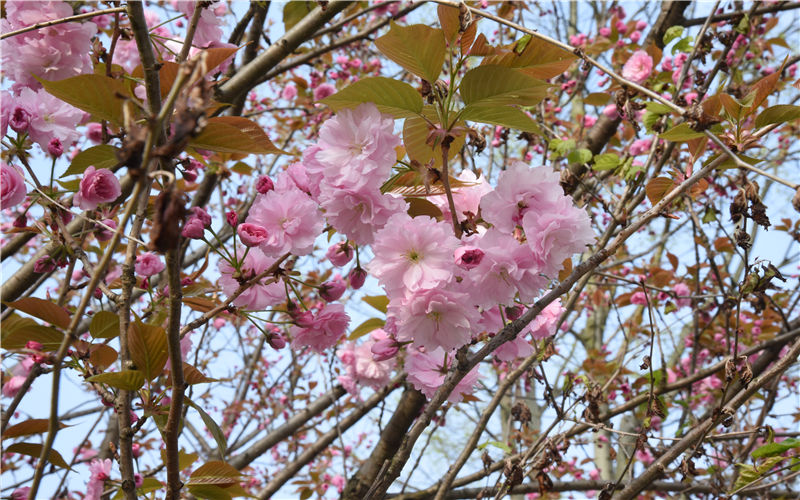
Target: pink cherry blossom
pixel 557 233
pixel 208 29
pixel 360 367
pixel 12 186
pixel 50 118
pixel 435 317
pixel 97 186
pixel 53 53
pixel 640 147
pixel 466 198
pixel 520 189
pixel 100 471
pixel 683 293
pixel 413 254
pixel 638 67
pixel 325 330
pixel 333 289
pixel 324 90
pixel 148 264
pixel 291 218
pixel 427 371
pixel 18 375
pixel 267 292
pixel 289 92
pixel 516 348
pixel 359 214
pixel 639 298
pixel 545 323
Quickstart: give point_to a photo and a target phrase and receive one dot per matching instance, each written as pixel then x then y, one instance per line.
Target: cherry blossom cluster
pixel 444 292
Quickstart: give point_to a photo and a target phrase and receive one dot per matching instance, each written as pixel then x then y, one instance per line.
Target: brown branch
pixel 249 75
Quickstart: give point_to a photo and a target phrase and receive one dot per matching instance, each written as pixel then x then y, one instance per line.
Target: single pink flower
pixel 340 254
pixel 325 330
pixel 426 372
pixel 435 317
pixel 638 67
pixel 148 264
pixel 267 292
pixel 97 186
pixel 100 471
pixel 545 323
pixel 361 369
pixel 291 218
pixel 324 90
pixel 12 186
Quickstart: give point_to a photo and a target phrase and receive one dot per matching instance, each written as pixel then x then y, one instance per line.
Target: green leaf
pixel 43 309
pixel 148 347
pixel 366 327
pixel 393 97
pixel 597 99
pixel 102 156
pixel 293 12
pixel 606 161
pixel 418 48
pixel 492 85
pixel 536 58
pixel 379 302
pixel 129 380
pixel 35 450
pixel 209 491
pixel 681 133
pixel 17 331
pixel 729 162
pixel 505 116
pixel 780 113
pixel 683 45
pixel 234 134
pixel 658 108
pixel 215 472
pixel 96 94
pixel 672 33
pixel 580 156
pixel 649 119
pixel 419 206
pixel 772 449
pixel 497 444
pixel 104 325
pixel 212 427
pixel 29 427
pixel 561 146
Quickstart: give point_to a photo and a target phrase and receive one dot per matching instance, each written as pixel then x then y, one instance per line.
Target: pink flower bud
pixel 333 290
pixel 55 148
pixel 513 313
pixel 384 349
pixel 148 264
pixel 33 345
pixel 97 186
pixel 252 235
pixel 193 229
pixel 136 450
pixel 340 254
pixel 233 218
pixel 468 258
pixel 19 120
pixel 276 341
pixel 357 277
pixel 103 234
pixel 264 185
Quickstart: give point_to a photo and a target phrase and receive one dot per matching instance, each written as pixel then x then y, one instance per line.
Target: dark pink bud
pixel 252 235
pixel 33 345
pixel 513 313
pixel 55 148
pixel 468 258
pixel 20 221
pixel 333 290
pixel 357 277
pixel 189 175
pixel 384 349
pixel 264 185
pixel 276 341
pixel 193 229
pixel 233 218
pixel 104 234
pixel 44 265
pixel 136 450
pixel 20 120
pixel 340 253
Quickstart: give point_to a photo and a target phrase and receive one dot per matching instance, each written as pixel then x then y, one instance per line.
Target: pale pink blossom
pixel 520 189
pixel 289 92
pixel 359 214
pixel 435 317
pixel 466 196
pixel 100 471
pixel 427 371
pixel 639 298
pixel 97 186
pixel 324 331
pixel 413 254
pixel 12 186
pixel 640 147
pixel 638 67
pixel 683 294
pixel 148 264
pixel 52 53
pixel 18 375
pixel 356 147
pixel 267 292
pixel 209 30
pixel 557 233
pixel 50 118
pixel 545 323
pixel 516 348
pixel 291 218
pixel 361 369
